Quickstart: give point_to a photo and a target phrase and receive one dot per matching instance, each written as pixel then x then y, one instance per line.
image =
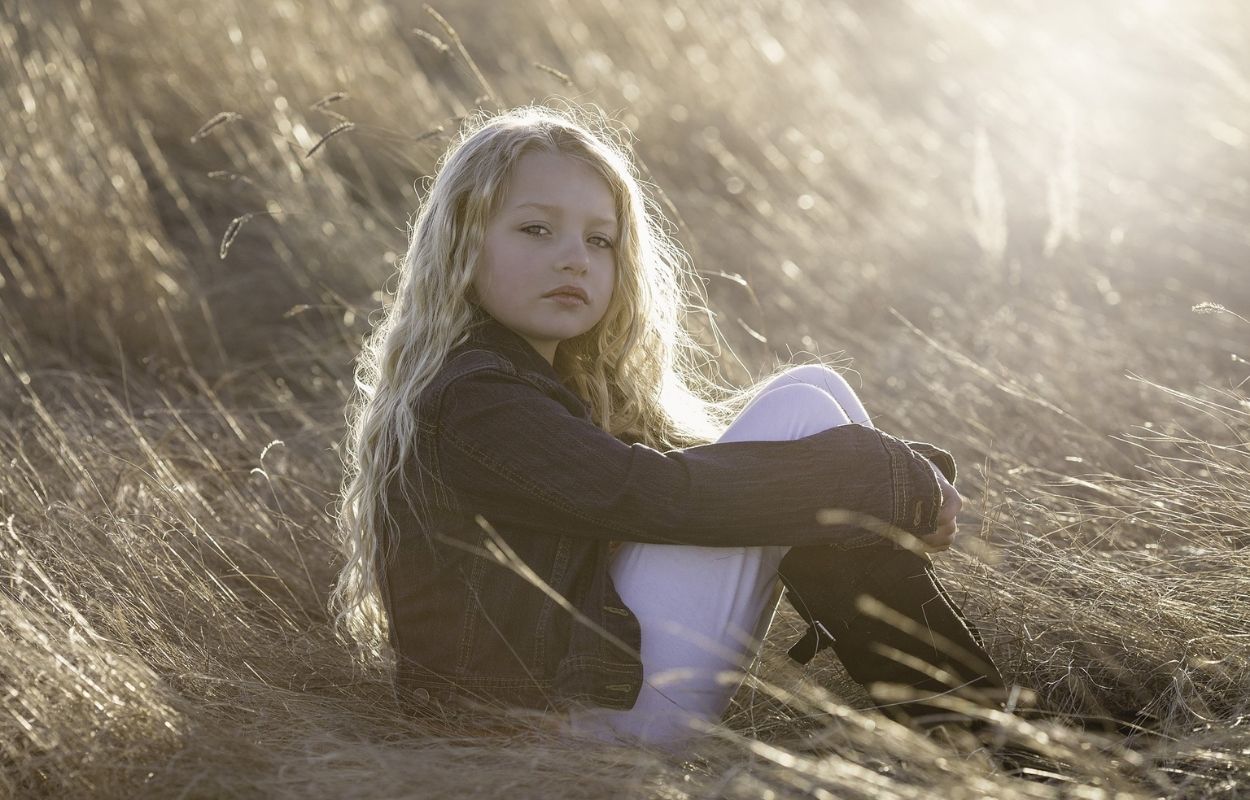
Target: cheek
pixel 492 259
pixel 489 273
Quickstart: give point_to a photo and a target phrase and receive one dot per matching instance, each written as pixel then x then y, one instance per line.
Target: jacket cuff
pixel 917 495
pixel 944 461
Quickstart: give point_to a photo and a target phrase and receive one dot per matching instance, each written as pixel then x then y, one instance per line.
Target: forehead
pixel 556 182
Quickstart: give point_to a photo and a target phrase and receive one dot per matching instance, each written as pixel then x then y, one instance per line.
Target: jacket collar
pixel 490 333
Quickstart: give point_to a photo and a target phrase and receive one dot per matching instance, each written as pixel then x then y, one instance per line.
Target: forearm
pixel 522 461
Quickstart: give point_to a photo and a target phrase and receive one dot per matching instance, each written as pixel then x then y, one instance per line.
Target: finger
pixel 940 540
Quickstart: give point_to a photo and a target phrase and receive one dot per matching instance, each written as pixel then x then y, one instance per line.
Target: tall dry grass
pixel 1005 213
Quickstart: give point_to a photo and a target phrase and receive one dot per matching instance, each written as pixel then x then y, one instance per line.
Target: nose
pixel 575 256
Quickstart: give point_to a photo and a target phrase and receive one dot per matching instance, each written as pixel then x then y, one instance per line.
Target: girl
pixel 546 506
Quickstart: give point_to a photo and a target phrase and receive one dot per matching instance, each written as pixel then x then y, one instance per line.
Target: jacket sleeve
pixel 944 461
pixel 520 459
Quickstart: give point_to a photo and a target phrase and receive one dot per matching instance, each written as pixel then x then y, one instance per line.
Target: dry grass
pixel 1040 196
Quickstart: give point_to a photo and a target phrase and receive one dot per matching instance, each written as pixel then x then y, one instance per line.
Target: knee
pixel 798 395
pixel 829 381
pixel 789 411
pixel 818 375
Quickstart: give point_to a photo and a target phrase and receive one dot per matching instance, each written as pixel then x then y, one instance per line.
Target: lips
pixel 571 291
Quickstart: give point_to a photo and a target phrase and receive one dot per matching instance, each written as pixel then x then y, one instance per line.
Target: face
pixel 555 227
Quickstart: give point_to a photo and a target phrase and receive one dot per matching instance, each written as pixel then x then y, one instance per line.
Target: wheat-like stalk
pixel 557 74
pixel 1208 307
pixel 217 121
pixel 433 40
pixel 333 97
pixel 342 127
pixel 232 231
pixel 466 59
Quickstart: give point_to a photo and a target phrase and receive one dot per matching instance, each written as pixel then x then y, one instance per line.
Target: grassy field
pixel 1009 215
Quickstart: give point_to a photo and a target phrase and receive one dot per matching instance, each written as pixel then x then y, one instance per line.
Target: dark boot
pixel 890 621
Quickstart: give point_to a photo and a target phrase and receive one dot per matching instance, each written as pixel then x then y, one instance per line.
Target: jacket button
pixel 420 696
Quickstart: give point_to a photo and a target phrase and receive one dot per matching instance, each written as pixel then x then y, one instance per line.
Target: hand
pixel 942 538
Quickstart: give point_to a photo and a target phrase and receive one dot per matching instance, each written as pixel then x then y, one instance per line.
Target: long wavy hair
pixel 638 370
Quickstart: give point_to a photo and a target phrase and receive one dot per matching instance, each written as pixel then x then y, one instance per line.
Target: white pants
pixel 705 610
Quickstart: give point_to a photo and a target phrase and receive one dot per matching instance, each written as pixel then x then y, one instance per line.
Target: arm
pixel 520 459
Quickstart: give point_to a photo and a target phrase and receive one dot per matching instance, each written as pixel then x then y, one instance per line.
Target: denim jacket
pixel 503 595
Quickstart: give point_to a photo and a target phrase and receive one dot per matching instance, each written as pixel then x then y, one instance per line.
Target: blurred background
pixel 1049 190
pixel 1023 225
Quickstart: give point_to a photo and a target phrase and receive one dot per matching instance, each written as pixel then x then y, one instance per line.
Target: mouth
pixel 568 295
pixel 567 298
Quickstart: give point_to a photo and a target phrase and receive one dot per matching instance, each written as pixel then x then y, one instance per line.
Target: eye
pixel 530 228
pixel 603 241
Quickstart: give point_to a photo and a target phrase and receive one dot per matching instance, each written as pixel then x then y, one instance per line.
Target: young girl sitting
pixel 547 506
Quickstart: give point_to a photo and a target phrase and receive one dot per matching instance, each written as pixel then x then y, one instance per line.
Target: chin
pixel 564 329
pixel 567 335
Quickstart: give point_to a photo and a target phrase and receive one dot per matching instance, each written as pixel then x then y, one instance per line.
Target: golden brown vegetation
pixel 1004 212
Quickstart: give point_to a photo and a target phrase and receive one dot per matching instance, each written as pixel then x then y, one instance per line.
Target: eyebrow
pixel 556 210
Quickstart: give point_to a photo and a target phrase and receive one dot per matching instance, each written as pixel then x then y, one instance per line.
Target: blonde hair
pixel 638 370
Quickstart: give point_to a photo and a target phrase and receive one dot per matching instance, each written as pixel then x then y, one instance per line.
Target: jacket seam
pixel 473 601
pixel 556 578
